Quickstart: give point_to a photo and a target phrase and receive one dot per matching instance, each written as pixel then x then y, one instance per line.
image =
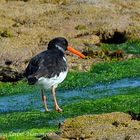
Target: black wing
pixel 46 64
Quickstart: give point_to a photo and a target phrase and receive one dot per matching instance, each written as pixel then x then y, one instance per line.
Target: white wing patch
pixel 47 83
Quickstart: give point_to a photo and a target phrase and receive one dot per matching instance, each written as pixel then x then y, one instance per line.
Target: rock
pixel 113 36
pixel 113 126
pixel 3 138
pixel 27 26
pixel 9 74
pixel 51 136
pixel 2 1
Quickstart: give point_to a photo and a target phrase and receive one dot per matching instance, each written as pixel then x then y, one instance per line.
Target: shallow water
pixel 33 101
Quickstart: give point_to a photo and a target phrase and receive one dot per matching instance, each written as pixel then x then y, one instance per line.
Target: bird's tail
pixel 32 80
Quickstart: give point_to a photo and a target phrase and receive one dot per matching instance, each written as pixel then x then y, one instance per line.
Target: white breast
pixel 47 83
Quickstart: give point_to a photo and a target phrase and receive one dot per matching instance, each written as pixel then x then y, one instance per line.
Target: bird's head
pixel 61 44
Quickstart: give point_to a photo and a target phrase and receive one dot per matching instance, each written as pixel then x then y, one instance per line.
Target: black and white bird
pixel 49 68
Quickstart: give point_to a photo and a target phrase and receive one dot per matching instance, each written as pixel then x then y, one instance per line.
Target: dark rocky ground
pixel 26 26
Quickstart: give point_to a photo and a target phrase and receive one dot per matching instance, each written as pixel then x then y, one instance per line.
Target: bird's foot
pixel 44 110
pixel 58 109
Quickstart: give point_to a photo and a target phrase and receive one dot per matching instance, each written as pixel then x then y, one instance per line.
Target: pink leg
pixel 57 108
pixel 44 100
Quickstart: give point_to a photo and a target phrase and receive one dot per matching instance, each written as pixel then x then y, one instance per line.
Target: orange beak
pixel 69 48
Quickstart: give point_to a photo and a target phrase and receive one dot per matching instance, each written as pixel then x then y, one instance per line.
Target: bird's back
pixel 47 64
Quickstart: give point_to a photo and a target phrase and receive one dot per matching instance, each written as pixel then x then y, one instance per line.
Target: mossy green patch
pixel 32 121
pixel 80 27
pixel 15 88
pixel 130 47
pixel 99 73
pixel 129 100
pixel 22 125
pixel 32 134
pixel 103 72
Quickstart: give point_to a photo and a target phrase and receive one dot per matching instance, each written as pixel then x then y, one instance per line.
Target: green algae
pixel 99 73
pixel 129 47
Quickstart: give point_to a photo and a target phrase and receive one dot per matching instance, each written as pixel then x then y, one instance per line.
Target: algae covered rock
pixel 111 126
pixel 9 74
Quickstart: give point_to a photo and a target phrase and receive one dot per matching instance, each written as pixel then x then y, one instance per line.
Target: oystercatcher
pixel 49 68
